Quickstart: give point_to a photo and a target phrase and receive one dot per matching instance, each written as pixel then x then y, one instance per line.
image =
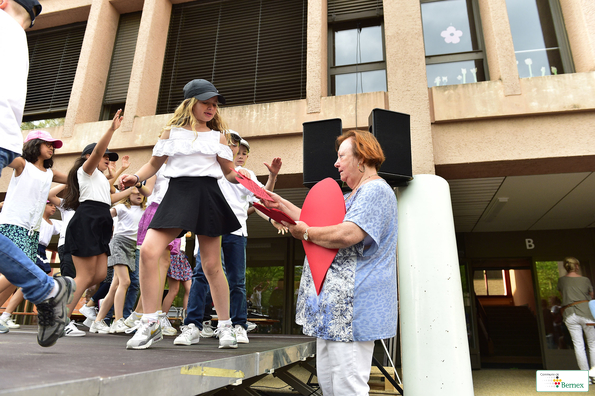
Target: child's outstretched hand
pixel 275 166
pixel 245 173
pixel 117 121
pixel 127 181
pixel 125 162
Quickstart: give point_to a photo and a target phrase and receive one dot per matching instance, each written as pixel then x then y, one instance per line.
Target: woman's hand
pixel 297 230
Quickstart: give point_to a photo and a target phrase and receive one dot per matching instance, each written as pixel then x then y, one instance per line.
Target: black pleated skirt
pixel 195 204
pixel 90 230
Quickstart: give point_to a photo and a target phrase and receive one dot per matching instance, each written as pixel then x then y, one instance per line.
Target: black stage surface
pixel 100 364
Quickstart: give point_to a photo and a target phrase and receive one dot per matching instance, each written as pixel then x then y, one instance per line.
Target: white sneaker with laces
pixel 207 330
pixel 99 327
pixel 133 317
pixel 88 322
pixel 241 335
pixel 146 334
pixel 166 328
pixel 9 323
pixel 89 312
pixel 71 331
pixel 118 326
pixel 190 335
pixel 251 326
pixel 227 337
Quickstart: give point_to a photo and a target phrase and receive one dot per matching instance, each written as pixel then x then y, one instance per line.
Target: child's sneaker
pixel 189 336
pixel 146 334
pixel 51 313
pixel 88 312
pixel 166 328
pixel 72 331
pixel 118 326
pixel 227 337
pixel 241 335
pixel 132 318
pixel 9 323
pixel 207 330
pixel 99 327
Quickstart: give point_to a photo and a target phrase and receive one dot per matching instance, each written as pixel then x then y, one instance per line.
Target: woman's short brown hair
pixel 365 147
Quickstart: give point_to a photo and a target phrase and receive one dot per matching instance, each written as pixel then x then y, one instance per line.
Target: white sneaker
pixel 99 327
pixel 190 335
pixel 9 323
pixel 130 320
pixel 227 337
pixel 251 326
pixel 166 328
pixel 146 334
pixel 207 330
pixel 71 331
pixel 592 372
pixel 89 312
pixel 88 322
pixel 241 335
pixel 118 326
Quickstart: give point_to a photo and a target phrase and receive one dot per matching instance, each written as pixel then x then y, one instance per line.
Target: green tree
pixel 40 124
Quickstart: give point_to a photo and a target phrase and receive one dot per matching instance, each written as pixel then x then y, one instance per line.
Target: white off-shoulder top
pixel 192 153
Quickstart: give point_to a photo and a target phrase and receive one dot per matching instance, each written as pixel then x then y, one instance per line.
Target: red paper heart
pixel 274 214
pixel 324 206
pixel 250 185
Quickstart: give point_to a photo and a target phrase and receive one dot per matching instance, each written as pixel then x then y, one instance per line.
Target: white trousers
pixel 576 325
pixel 343 368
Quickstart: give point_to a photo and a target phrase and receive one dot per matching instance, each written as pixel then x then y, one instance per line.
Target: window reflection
pixel 372 81
pixel 455 73
pixel 346 46
pixel 448 27
pixel 534 37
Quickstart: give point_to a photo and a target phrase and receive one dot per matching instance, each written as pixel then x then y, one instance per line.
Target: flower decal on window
pixel 451 35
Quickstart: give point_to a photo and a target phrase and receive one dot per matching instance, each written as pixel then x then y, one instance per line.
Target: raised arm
pixel 113 177
pixel 53 194
pixel 274 169
pixel 98 152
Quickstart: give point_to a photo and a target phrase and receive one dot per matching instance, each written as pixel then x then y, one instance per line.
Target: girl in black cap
pixel 198 155
pixel 90 229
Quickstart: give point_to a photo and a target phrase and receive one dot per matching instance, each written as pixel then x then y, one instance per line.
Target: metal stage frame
pixel 99 364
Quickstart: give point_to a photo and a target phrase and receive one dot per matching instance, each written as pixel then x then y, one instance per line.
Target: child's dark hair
pixel 32 151
pixel 73 193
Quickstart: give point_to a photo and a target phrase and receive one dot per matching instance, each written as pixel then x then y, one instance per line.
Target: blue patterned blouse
pixel 358 300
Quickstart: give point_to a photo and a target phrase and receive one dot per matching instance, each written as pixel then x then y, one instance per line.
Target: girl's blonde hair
pixel 126 201
pixel 184 116
pixel 571 264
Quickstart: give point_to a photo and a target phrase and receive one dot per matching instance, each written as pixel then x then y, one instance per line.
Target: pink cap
pixel 43 135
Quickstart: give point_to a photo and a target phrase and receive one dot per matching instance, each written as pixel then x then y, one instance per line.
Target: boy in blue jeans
pixel 50 295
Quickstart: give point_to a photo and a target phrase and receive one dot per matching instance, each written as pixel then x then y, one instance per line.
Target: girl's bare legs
pixel 6 289
pixel 174 287
pixel 121 272
pixel 187 285
pixel 210 256
pixel 153 266
pixel 108 300
pixel 89 271
pixel 14 302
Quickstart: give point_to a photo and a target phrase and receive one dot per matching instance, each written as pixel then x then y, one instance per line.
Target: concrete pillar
pixel 88 87
pixel 145 77
pixel 499 46
pixel 435 349
pixel 317 57
pixel 406 77
pixel 579 19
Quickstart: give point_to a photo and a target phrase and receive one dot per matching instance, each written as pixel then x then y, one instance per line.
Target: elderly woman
pixel 576 292
pixel 358 300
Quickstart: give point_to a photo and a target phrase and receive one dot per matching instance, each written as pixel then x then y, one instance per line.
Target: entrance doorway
pixel 507 313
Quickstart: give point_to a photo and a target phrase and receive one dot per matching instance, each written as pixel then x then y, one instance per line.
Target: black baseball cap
pixel 33 8
pixel 201 90
pixel 90 147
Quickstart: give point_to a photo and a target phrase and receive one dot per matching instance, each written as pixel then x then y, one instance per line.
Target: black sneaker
pixel 51 313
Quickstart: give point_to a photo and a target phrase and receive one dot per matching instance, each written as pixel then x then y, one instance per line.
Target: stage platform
pixel 100 364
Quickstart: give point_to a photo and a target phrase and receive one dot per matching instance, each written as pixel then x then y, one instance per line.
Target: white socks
pixel 54 291
pixel 223 323
pixel 5 316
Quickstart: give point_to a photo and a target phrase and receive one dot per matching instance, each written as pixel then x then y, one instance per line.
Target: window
pixel 254 51
pixel 121 65
pixel 491 282
pixel 53 59
pixel 356 68
pixel 453 43
pixel 539 38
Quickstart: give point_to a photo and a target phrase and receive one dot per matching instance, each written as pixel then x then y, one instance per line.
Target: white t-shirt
pixel 66 216
pixel 192 153
pixel 26 197
pixel 94 187
pixel 128 220
pixel 239 199
pixel 13 84
pixel 48 230
pixel 161 184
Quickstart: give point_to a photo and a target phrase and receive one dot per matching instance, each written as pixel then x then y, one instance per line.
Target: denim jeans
pixel 132 292
pixel 234 254
pixel 16 266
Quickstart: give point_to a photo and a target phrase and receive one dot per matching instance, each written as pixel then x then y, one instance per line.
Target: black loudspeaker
pixel 319 150
pixel 392 130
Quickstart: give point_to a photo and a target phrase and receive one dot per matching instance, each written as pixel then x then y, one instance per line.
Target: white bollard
pixel 435 350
